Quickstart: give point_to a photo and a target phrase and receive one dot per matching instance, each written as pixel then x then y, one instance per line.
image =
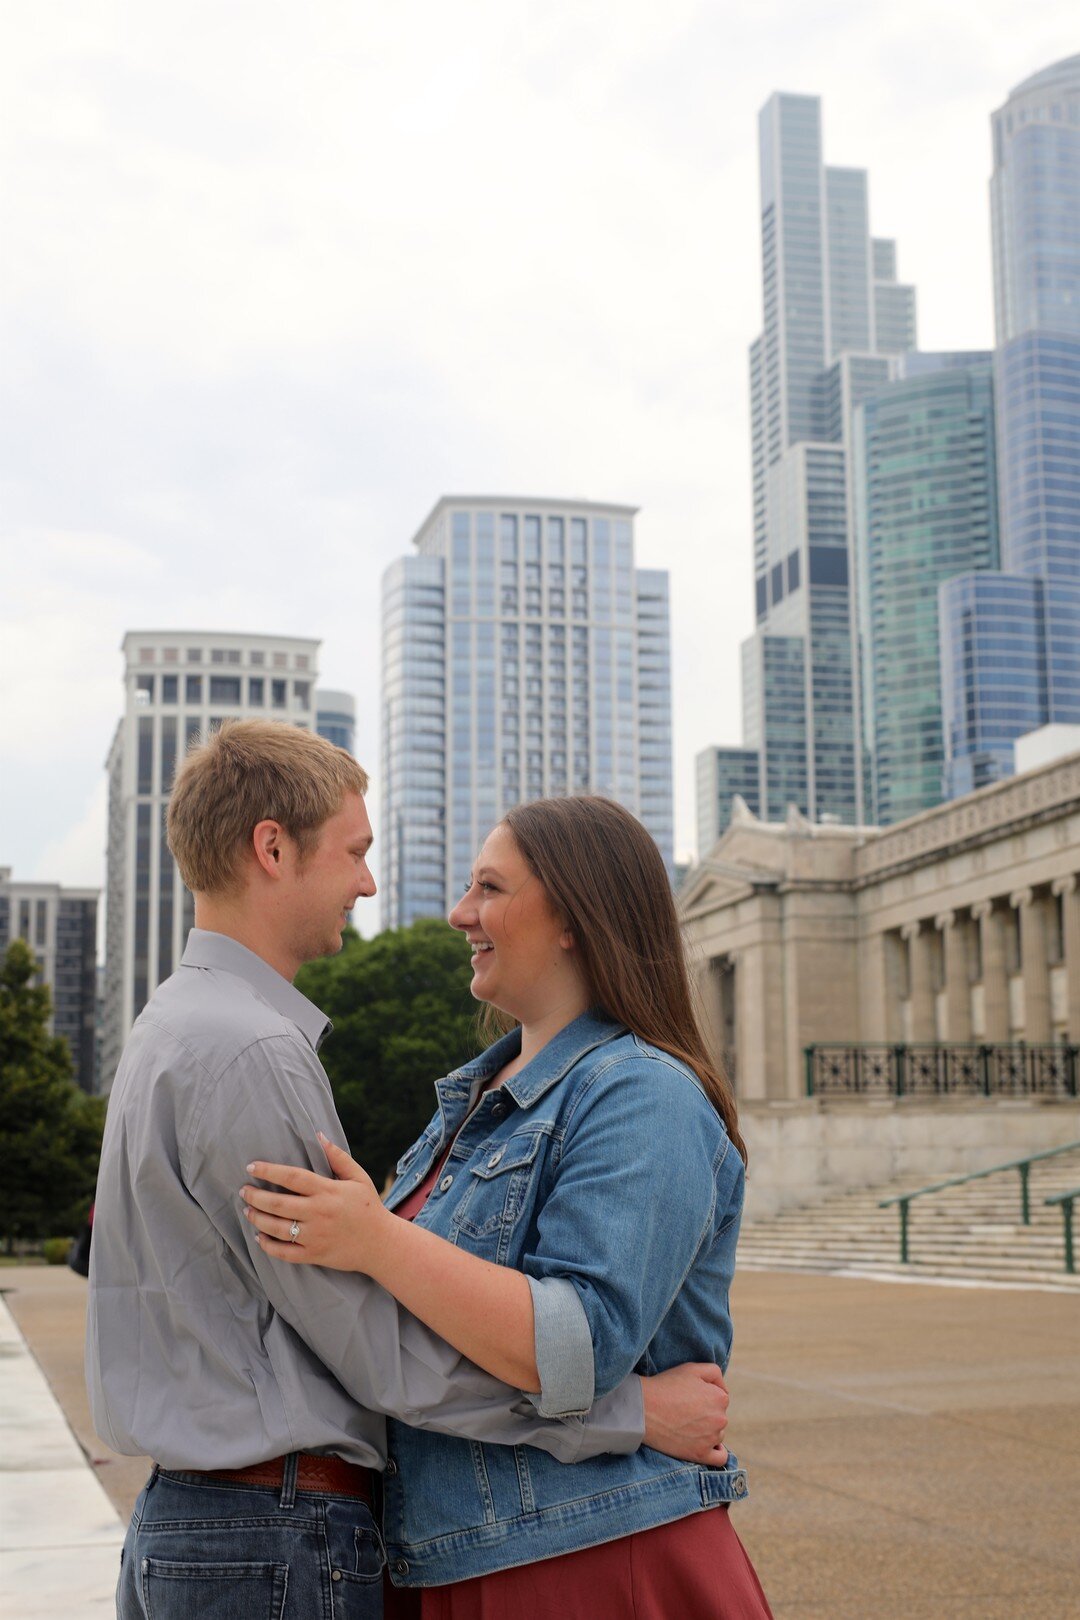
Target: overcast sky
pixel 275 277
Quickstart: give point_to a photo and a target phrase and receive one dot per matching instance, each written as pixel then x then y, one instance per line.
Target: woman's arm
pixel 483 1310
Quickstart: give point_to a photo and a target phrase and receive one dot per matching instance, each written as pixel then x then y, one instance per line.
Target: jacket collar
pixel 207 950
pixel 550 1064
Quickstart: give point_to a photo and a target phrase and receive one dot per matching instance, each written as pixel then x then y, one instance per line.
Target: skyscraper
pixel 178 684
pixel 721 774
pixel 925 510
pixel 834 315
pixel 335 718
pixel 60 926
pixel 1034 603
pixel 524 655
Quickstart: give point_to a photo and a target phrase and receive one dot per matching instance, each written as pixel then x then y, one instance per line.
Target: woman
pixel 587 1171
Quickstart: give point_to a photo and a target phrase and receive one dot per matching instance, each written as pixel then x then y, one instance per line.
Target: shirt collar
pixel 207 950
pixel 550 1064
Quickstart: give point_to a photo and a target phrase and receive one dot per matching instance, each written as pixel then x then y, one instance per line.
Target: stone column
pixel 1034 964
pixel 957 985
pixel 707 990
pixel 921 984
pixel 994 977
pixel 1070 904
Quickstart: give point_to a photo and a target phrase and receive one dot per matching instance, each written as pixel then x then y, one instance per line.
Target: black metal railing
pixel 925 1070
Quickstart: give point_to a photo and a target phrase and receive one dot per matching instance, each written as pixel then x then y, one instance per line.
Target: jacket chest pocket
pixel 411 1160
pixel 501 1190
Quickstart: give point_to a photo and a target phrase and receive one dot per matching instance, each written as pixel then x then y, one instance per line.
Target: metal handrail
pixel 1066 1200
pixel 1023 1166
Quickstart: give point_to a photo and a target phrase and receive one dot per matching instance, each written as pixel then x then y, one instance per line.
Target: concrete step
pixel 920 1242
pixel 1054 1254
pixel 852 1257
pixel 972 1232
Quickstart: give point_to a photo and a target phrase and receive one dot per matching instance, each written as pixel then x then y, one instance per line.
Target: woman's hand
pixel 340 1221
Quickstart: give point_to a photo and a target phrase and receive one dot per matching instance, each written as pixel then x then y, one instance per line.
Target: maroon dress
pixel 692 1569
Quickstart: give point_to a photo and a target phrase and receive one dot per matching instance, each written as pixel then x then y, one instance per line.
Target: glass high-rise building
pixel 993 674
pixel 335 718
pixel 524 655
pixel 723 773
pixel 925 510
pixel 835 318
pixel 60 926
pixel 1035 212
pixel 178 685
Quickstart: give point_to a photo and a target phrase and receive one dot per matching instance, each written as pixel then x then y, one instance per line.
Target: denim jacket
pixel 602 1171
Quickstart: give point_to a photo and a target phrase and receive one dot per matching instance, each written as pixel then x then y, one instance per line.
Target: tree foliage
pixel 50 1130
pixel 403 1017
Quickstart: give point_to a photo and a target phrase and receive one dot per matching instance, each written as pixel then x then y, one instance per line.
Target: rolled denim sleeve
pixel 628 1211
pixel 274 1104
pixel 564 1348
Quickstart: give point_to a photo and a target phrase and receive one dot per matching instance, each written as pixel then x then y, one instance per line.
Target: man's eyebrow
pixel 364 844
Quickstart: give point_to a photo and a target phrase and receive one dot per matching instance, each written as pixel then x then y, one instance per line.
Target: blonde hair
pixel 249 771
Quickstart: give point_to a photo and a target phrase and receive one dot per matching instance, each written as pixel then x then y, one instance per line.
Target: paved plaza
pixel 914 1451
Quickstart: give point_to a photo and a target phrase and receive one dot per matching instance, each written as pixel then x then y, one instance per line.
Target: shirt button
pixel 446 1183
pixel 335 1574
pixel 495 1158
pixel 738 1485
pixel 498 1111
pixel 401 1566
pixel 391 1466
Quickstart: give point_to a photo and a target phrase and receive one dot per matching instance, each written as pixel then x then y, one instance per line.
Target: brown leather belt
pixel 327 1476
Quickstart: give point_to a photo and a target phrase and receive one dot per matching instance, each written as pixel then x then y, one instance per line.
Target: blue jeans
pixel 198 1549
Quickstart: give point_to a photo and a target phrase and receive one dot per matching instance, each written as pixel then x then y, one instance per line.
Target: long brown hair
pixel 604 875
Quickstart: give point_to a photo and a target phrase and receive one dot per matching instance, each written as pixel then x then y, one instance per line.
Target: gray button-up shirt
pixel 201 1351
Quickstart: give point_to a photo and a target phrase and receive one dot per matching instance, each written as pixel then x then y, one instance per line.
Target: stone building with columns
pixel 897 1004
pixel 959 925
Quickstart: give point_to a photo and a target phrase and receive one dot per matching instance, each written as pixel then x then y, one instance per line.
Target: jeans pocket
pixel 178 1590
pixel 357 1597
pixel 358 1593
pixel 370 1556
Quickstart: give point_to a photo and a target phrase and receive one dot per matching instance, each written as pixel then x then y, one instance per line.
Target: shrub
pixel 55 1250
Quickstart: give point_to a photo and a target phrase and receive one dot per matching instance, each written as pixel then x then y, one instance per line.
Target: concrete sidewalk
pixel 60 1536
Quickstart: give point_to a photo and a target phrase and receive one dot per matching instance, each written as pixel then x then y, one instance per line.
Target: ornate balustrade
pixel 940 1070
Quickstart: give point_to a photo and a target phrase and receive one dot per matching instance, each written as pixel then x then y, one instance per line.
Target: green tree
pixel 403 1017
pixel 50 1130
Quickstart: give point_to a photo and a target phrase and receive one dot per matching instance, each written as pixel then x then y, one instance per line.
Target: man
pixel 260 1390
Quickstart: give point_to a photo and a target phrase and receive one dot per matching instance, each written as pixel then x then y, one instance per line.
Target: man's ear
pixel 268 844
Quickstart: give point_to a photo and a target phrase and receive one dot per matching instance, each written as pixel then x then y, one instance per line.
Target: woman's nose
pixel 463 914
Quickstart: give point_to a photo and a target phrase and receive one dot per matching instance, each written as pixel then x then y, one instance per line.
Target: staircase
pixel 971 1233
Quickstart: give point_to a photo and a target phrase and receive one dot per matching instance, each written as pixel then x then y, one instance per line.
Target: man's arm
pixel 272 1102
